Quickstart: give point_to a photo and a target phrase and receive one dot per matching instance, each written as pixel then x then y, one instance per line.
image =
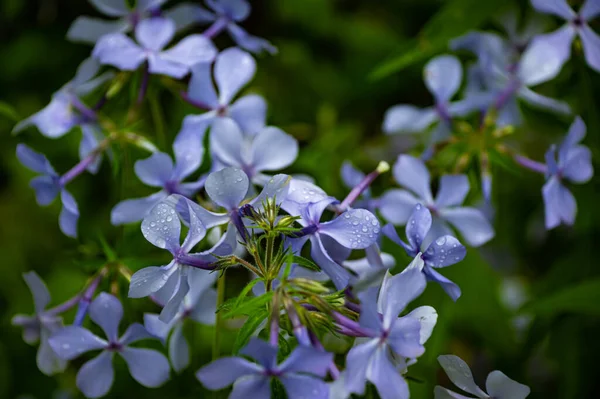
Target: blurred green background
pixel 340 65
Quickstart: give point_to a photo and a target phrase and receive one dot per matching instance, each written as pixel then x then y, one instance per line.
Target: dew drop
pixel 440 241
pixel 347 216
pixel 355 222
pixel 374 222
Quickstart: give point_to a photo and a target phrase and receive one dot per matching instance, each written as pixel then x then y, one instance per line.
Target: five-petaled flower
pixel 441 252
pixel 301 373
pixel 147 366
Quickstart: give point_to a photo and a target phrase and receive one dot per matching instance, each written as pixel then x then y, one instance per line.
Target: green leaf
pixel 9 112
pixel 250 306
pixel 306 263
pixel 242 296
pixel 581 298
pixel 453 20
pixel 249 327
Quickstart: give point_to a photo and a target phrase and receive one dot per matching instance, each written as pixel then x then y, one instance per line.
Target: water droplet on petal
pixel 440 241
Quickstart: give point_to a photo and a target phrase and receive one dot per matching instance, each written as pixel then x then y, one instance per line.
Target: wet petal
pixel 150 279
pixel 405 338
pixel 451 288
pixel 444 251
pixel 355 228
pixel 135 332
pixel 417 226
pixel 148 367
pixel 277 187
pixel 157 328
pixel 401 290
pixel 201 88
pixel 162 228
pixel 107 312
pixel 233 70
pixel 134 210
pixel 427 316
pixel 174 303
pixel 96 376
pixel 358 361
pixel 227 187
pixel 155 170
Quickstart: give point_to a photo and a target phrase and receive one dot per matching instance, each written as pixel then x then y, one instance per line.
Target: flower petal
pixel 444 251
pixel 249 42
pixel 443 393
pixel 162 228
pixel 233 70
pixel 460 374
pixel 179 351
pixel 135 332
pixel 47 360
pixel 451 288
pixel 192 50
pixel 154 33
pixel 471 223
pixel 262 351
pixel 107 311
pixel 309 360
pixel 559 8
pixel 69 214
pixel 401 290
pixel 89 30
pixel 540 63
pixel 443 76
pixel 150 279
pixel 355 228
pixel 134 210
pixel 237 10
pixel 417 226
pixel 250 113
pixel 33 160
pixel 255 386
pixel 224 371
pixel 385 377
pixel 412 173
pixel 298 386
pixel 155 170
pixel 407 119
pixel 39 290
pixel 396 206
pixel 589 10
pixel 227 142
pixel 427 316
pixel 499 386
pixel 120 51
pixel 591 46
pixel 113 8
pixel 453 190
pixel 148 367
pixel 96 376
pixel 227 187
pixel 336 272
pixel 71 341
pixel 559 204
pixel 358 361
pixel 273 149
pixel 277 187
pixel 537 100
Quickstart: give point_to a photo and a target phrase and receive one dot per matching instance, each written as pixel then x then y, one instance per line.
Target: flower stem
pixel 362 186
pixel 85 162
pixel 215 28
pixel 531 164
pixel 219 322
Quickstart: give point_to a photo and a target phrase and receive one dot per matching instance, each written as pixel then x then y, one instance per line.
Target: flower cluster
pixel 239 211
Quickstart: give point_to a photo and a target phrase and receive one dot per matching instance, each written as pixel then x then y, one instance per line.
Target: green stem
pixel 269 254
pixel 219 322
pixel 159 122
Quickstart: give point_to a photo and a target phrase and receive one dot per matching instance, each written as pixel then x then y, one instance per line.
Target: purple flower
pixel 301 373
pixel 443 76
pixel 162 228
pixel 229 187
pixel 498 385
pixel 88 29
pixel 371 269
pixel 41 325
pixel 352 177
pixel 353 229
pixel 233 69
pixel 48 185
pixel 269 149
pixel 390 335
pixel 153 34
pixel 506 79
pixel 226 14
pixel 66 110
pixel 198 305
pixel 148 367
pixel 396 205
pixel 443 251
pixel 158 171
pixel 575 165
pixel 577 25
